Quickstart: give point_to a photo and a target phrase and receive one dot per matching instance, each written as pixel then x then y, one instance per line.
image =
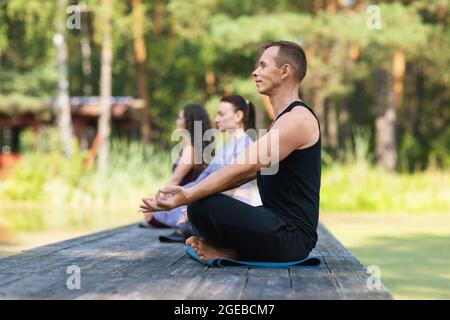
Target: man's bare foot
pixel 207 251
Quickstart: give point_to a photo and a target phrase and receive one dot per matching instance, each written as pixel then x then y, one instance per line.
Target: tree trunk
pixel 344 117
pixel 331 127
pixel 419 127
pixel 158 21
pixel 359 5
pixel 62 106
pixel 441 11
pixel 386 117
pixel 140 53
pixel 210 81
pixel 104 122
pixel 318 5
pixel 344 124
pixel 319 102
pixel 85 43
pixel 398 72
pixel 331 6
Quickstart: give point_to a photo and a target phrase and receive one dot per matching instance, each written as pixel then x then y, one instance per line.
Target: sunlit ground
pixel 411 250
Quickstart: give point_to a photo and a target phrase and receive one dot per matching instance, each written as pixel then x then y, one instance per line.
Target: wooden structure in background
pixel 85 111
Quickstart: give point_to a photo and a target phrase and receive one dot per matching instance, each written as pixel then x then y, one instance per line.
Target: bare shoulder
pixel 300 118
pixel 301 125
pixel 305 117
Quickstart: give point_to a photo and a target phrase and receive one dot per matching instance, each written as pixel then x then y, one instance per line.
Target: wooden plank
pixel 35 260
pixel 312 284
pixel 268 284
pixel 100 258
pixel 58 246
pixel 329 246
pixel 352 279
pixel 137 279
pixel 167 283
pixel 84 253
pixel 130 263
pixel 226 284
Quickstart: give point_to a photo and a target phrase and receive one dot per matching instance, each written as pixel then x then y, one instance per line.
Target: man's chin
pixel 264 92
pixel 261 90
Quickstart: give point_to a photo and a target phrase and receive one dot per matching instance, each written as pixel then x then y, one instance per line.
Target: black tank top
pixel 293 192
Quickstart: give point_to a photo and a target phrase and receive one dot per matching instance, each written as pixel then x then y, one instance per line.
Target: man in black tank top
pixel 284 228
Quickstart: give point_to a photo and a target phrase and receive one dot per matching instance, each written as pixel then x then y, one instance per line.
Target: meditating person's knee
pixel 196 211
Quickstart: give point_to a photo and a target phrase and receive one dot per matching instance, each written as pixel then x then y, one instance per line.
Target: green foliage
pixel 441 148
pixel 3 31
pixel 412 152
pixel 29 33
pixel 185 40
pixel 183 13
pixel 37 172
pixel 16 104
pixel 136 170
pixel 36 15
pixel 401 27
pixel 44 175
pixel 360 187
pixel 356 185
pixel 38 82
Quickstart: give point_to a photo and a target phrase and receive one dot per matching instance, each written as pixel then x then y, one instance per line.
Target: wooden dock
pixel 130 263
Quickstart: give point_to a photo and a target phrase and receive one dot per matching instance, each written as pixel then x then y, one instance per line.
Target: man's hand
pixel 183 218
pixel 166 198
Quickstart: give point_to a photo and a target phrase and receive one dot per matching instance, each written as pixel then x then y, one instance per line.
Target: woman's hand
pixel 166 198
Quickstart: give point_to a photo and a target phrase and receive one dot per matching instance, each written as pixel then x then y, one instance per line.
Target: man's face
pixel 267 74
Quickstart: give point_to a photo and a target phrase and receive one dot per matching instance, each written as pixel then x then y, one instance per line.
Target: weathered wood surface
pixel 130 263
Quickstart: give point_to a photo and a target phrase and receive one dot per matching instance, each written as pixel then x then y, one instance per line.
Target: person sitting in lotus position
pixel 284 228
pixel 184 169
pixel 235 116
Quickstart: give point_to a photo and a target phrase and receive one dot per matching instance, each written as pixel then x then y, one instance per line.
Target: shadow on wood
pixel 130 263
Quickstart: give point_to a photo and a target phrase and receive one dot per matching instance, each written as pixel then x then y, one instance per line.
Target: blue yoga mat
pixel 231 263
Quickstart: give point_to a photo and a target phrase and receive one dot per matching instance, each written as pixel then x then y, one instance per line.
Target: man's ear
pixel 286 69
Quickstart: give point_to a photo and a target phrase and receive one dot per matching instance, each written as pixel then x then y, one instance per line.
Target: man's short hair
pixel 289 53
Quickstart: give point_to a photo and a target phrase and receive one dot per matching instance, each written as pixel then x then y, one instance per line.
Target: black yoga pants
pixel 256 233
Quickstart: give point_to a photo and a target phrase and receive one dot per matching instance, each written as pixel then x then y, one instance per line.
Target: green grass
pixel 136 170
pixel 49 178
pixel 411 250
pixel 44 176
pixel 359 187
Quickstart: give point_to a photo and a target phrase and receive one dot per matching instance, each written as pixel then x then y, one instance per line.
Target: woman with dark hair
pixel 190 162
pixel 238 103
pixel 235 116
pixel 194 113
